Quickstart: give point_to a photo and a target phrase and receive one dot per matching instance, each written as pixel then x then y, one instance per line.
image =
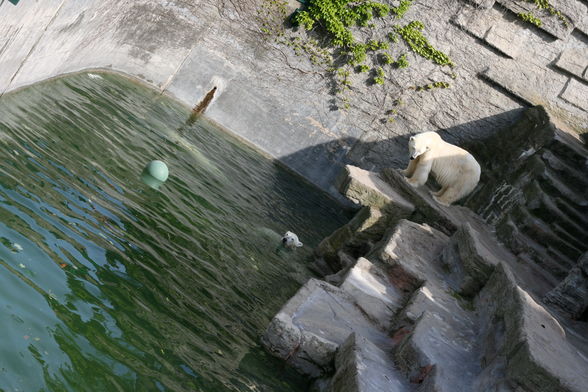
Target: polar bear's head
pixel 421 143
pixel 290 240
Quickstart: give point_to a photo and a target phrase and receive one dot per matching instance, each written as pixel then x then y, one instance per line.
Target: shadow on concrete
pixel 323 163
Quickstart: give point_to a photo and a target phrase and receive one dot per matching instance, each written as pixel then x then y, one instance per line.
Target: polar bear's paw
pixel 440 201
pixel 412 182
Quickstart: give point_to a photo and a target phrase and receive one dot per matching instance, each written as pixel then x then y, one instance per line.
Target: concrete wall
pixel 281 102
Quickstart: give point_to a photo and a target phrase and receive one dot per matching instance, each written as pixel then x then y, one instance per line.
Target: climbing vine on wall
pixel 543 5
pixel 413 36
pixel 529 17
pixel 334 26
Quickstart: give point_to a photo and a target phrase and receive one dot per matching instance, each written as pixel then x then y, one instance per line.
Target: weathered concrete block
pixel 364 367
pixel 372 291
pixel 574 61
pixel 310 327
pixel 508 38
pixel 576 93
pixel 527 342
pixel 473 20
pixel 368 189
pixel 571 295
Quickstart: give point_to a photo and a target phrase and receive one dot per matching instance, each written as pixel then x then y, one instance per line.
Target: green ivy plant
pixel 270 17
pixel 431 86
pixel 401 9
pixel 336 16
pixel 385 58
pixel 544 5
pixel 402 62
pixel 412 35
pixel 380 76
pixel 529 17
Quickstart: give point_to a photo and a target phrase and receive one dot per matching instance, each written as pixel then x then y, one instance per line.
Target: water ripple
pixel 106 284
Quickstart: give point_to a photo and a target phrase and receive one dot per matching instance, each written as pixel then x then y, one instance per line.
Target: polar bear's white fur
pixel 455 169
pixel 290 240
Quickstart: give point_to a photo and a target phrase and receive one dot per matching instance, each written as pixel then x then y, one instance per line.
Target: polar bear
pixel 455 169
pixel 290 240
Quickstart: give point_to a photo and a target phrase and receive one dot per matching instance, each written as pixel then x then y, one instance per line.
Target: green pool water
pixel 109 285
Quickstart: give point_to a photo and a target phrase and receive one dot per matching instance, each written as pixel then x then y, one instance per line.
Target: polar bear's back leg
pixel 451 195
pixel 461 188
pixel 439 192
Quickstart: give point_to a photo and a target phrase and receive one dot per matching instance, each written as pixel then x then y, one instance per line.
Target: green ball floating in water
pixel 155 174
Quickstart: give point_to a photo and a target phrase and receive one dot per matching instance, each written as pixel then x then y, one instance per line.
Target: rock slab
pixel 310 327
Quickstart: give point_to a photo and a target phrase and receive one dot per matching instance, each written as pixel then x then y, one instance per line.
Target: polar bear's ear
pixel 411 138
pixel 299 244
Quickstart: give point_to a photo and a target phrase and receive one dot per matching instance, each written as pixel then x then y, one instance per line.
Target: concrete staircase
pixel 425 298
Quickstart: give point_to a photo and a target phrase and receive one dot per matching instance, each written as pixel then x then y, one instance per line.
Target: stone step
pixel 574 213
pixel 369 189
pixel 569 148
pixel 576 241
pixel 311 326
pixel 442 340
pixel 437 346
pixel 355 238
pixel 564 261
pixel 572 174
pixel 470 260
pixel 571 295
pixel 524 81
pixel 364 367
pixel 575 93
pixel 538 254
pixel 549 210
pixel 551 183
pixel 397 251
pixel 371 288
pixel 542 233
pixel 524 345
